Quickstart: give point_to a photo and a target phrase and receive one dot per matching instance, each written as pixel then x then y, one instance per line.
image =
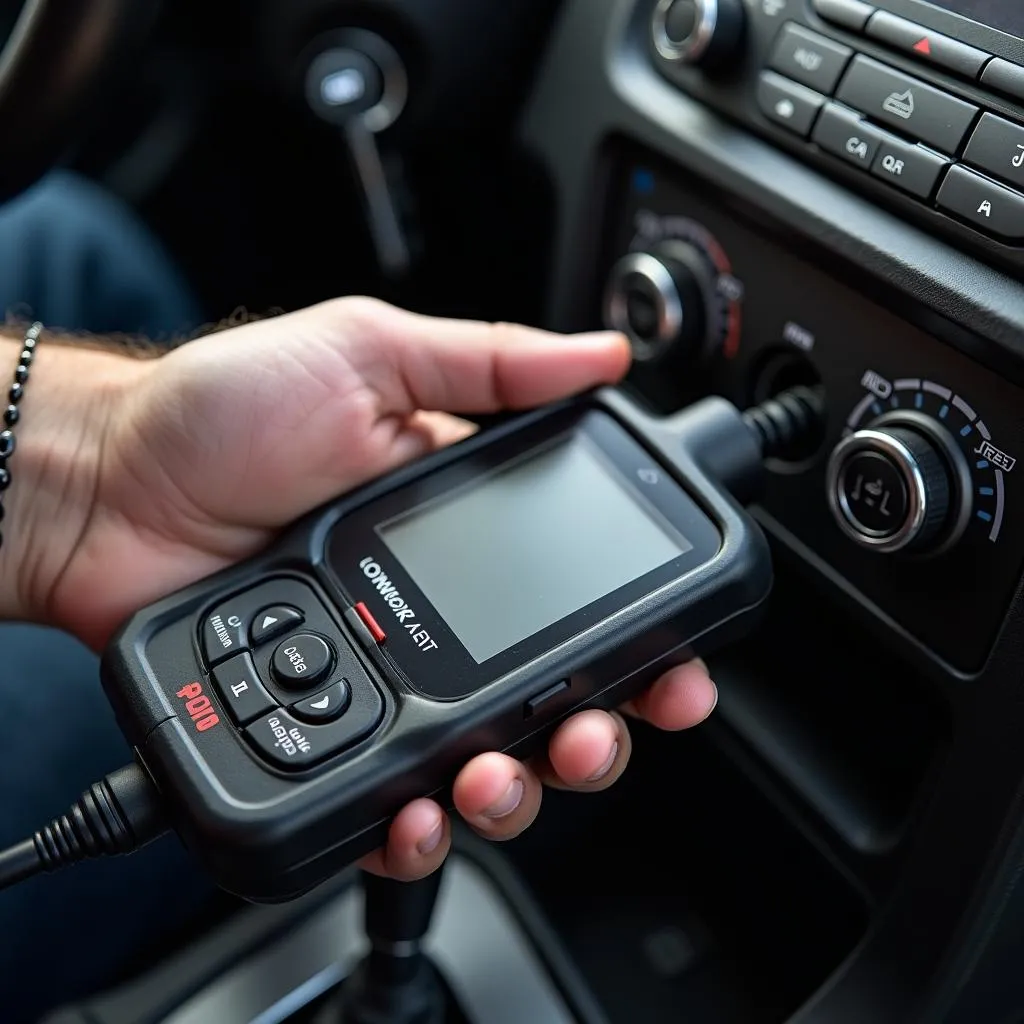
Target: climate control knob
pixel 897 486
pixel 704 32
pixel 664 301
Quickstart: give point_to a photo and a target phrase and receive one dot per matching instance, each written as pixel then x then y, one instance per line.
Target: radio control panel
pixel 929 122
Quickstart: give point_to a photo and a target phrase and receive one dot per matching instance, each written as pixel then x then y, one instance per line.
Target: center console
pixel 830 193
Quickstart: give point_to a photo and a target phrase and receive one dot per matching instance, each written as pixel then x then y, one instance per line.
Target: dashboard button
pixel 998 211
pixel 926 45
pixel 240 689
pixel 787 103
pixel 302 661
pixel 997 147
pixel 851 14
pixel 809 58
pixel 911 168
pixel 1004 77
pixel 907 104
pixel 847 135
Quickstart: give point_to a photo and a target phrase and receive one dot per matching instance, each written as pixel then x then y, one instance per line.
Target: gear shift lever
pixel 396 983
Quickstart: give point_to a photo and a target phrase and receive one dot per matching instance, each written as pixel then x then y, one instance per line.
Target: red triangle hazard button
pixel 923 46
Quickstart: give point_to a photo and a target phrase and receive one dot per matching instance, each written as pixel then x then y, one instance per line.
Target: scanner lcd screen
pixel 537 539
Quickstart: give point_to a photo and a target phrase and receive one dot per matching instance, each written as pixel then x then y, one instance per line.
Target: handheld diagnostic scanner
pixel 561 559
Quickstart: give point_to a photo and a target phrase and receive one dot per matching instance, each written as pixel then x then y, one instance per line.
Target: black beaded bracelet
pixel 12 414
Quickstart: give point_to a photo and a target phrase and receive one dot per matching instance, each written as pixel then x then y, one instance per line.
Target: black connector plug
pixel 119 814
pixel 790 426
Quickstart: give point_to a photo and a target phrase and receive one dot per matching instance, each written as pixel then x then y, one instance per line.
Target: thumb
pixel 466 366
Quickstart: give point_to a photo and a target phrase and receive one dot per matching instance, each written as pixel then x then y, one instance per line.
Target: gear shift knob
pixel 397 914
pixel 396 983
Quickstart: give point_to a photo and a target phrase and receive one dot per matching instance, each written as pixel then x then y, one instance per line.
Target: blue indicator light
pixel 985 517
pixel 943 412
pixel 876 408
pixel 986 492
pixel 918 400
pixel 983 464
pixel 964 431
pixel 643 181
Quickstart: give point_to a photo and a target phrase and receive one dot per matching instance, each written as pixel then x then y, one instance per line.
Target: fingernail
pixel 428 844
pixel 714 705
pixel 607 766
pixel 508 803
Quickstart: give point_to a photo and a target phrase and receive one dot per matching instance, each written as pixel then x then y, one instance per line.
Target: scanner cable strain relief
pixel 116 815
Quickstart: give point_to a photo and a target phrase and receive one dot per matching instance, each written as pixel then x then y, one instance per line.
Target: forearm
pixel 73 393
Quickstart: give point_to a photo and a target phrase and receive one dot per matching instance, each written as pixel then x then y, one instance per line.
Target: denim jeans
pixel 73 257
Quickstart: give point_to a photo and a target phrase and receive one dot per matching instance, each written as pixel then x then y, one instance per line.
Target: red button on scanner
pixel 378 634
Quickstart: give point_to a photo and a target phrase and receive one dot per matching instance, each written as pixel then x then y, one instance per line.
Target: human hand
pixel 208 451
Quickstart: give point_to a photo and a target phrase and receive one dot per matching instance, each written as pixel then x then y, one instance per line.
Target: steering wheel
pixel 51 66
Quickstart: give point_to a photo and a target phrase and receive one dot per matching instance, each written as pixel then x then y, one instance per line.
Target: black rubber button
pixel 240 689
pixel 325 706
pixel 906 104
pixel 997 147
pixel 996 210
pixel 851 14
pixel 1004 77
pixel 926 45
pixel 809 58
pixel 270 623
pixel 787 103
pixel 302 661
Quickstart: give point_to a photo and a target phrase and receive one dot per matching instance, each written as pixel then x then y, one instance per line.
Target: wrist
pixel 71 399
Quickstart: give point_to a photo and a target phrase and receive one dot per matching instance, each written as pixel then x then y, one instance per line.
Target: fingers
pixel 440 428
pixel 424 432
pixel 498 796
pixel 682 698
pixel 418 842
pixel 468 366
pixel 587 753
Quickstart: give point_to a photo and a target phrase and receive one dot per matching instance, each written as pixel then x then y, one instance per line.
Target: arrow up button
pixel 924 44
pixel 272 622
